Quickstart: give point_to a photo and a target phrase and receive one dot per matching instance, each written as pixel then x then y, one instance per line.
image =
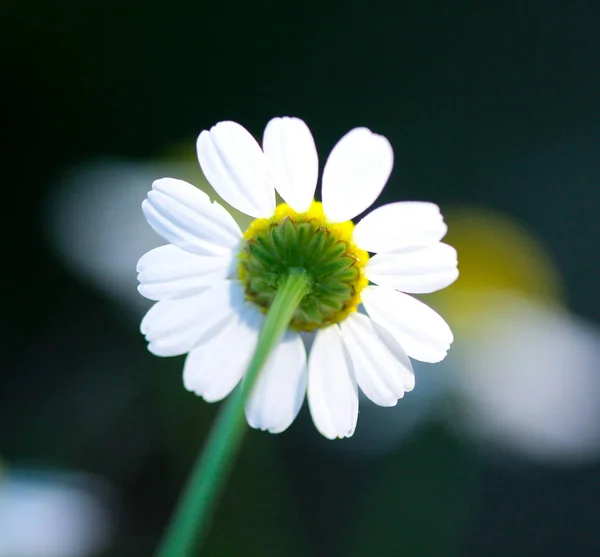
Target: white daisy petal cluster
pixel 204 308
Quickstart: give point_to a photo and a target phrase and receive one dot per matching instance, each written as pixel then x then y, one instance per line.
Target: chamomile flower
pixel 214 283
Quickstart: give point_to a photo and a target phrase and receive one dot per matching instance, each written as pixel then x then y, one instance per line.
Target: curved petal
pixel 332 391
pixel 355 173
pixel 400 227
pixel 183 215
pixel 290 150
pixel 417 272
pixel 421 332
pixel 174 327
pixel 169 272
pixel 235 166
pixel 383 371
pixel 279 392
pixel 215 367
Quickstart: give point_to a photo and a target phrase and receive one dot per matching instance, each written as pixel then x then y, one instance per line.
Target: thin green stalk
pixel 192 516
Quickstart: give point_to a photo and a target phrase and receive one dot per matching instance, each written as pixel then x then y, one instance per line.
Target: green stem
pixel 190 521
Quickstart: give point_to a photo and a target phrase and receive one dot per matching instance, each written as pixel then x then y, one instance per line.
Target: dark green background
pixel 494 104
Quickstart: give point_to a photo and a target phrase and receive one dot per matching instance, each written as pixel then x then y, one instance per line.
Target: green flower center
pixel 289 240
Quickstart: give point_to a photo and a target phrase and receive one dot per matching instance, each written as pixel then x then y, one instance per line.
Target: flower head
pixel 214 283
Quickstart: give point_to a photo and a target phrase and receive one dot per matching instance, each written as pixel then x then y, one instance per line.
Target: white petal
pixel 422 333
pixel 174 327
pixel 332 391
pixel 235 166
pixel 170 272
pixel 279 392
pixel 400 227
pixel 418 272
pixel 355 173
pixel 215 367
pixel 185 216
pixel 290 150
pixel 383 371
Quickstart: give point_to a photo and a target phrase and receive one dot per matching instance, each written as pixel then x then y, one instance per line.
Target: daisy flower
pixel 214 283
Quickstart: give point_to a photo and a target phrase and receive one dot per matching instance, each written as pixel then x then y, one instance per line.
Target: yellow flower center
pixel 289 240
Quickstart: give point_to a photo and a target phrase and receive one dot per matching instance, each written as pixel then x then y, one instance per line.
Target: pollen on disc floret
pixel 290 240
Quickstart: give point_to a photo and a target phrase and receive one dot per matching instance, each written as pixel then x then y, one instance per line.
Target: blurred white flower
pixel 94 224
pixel 530 381
pixel 48 514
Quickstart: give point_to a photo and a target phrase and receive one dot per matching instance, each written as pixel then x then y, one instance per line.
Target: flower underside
pixel 289 241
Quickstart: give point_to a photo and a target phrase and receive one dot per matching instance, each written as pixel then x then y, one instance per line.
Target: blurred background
pixel 493 110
